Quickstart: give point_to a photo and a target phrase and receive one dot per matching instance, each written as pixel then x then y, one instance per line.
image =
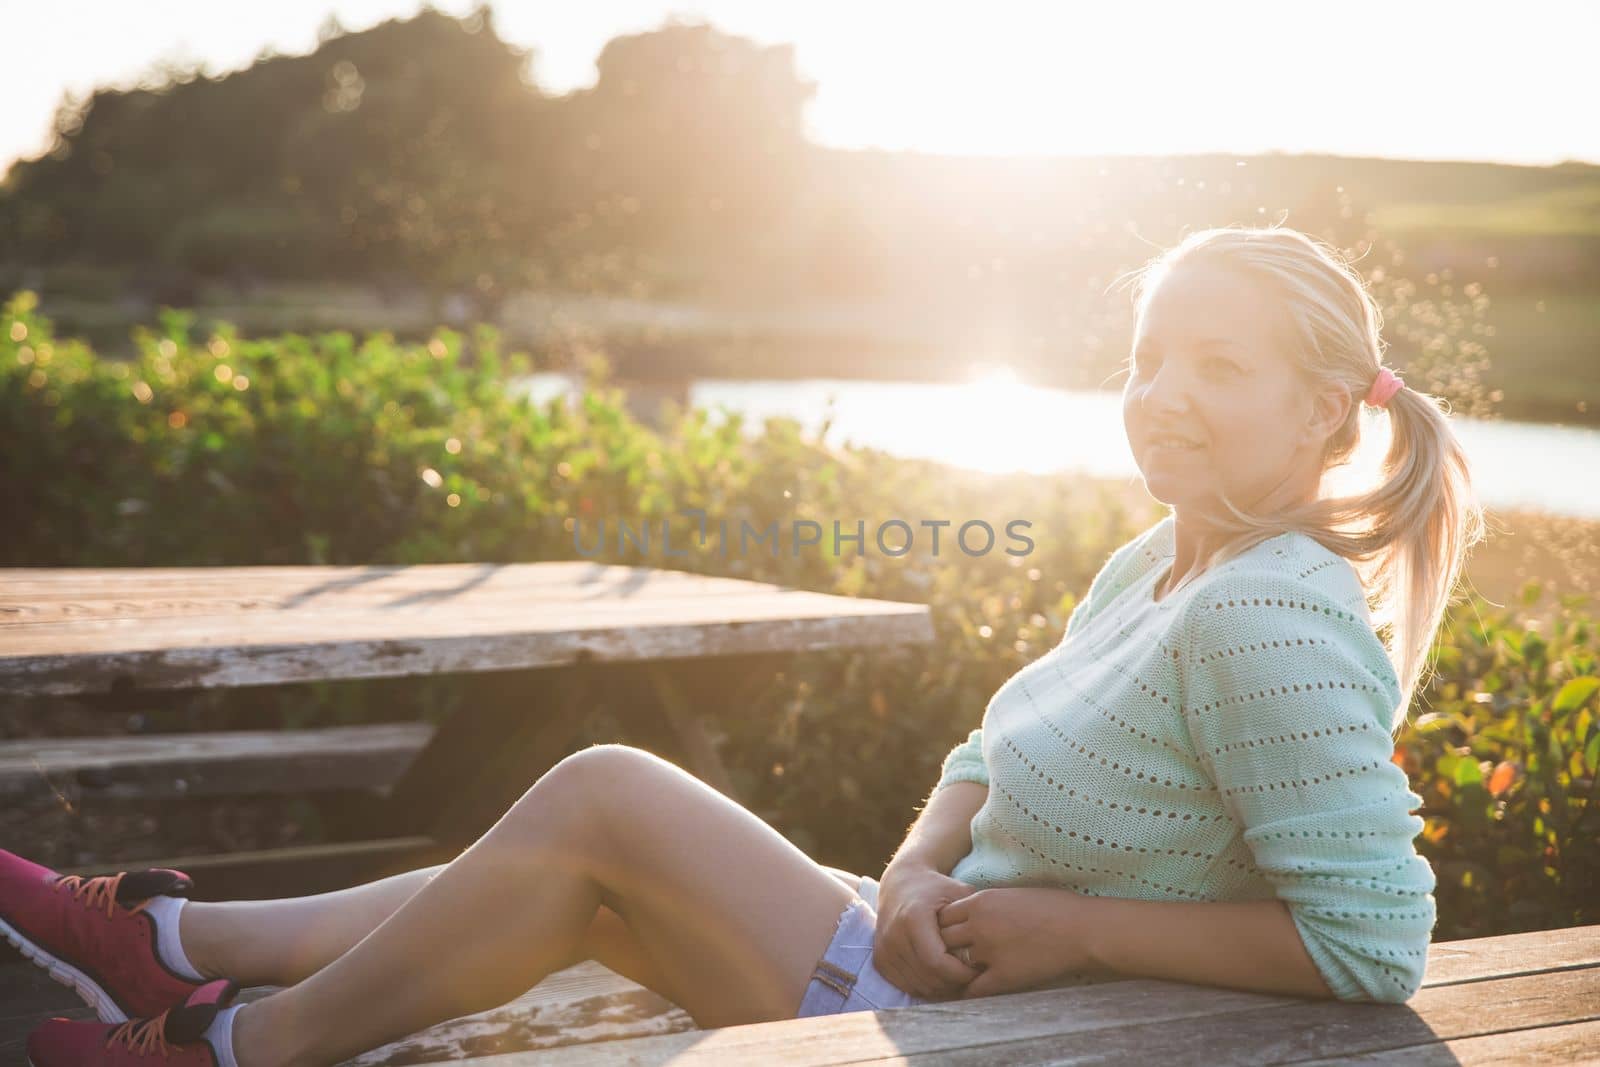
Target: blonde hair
pixel 1408 535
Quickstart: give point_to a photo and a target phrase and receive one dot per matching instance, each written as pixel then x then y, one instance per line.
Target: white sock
pixel 220 1034
pixel 169 947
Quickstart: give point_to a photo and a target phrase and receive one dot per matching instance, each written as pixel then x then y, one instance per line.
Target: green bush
pixel 1506 759
pixel 225 450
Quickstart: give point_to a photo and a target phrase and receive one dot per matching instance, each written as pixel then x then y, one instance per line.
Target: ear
pixel 1330 406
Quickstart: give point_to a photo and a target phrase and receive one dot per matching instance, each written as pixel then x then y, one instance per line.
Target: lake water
pixel 997 424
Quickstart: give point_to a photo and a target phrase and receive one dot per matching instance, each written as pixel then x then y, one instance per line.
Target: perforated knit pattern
pixel 1228 742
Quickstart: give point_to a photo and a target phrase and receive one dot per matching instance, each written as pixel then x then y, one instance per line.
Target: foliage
pixel 1506 760
pixel 225 450
pixel 420 147
pixel 420 159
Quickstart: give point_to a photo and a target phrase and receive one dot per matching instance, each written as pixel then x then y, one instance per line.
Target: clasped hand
pixel 1015 938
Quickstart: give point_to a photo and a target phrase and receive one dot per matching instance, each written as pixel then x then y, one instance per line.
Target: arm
pixel 942 833
pixel 1036 937
pixel 1293 726
pixel 907 948
pixel 1251 944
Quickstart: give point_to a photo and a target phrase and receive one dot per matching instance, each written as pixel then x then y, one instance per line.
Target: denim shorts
pixel 845 979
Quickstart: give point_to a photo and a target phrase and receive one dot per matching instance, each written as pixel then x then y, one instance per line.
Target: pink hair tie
pixel 1385 386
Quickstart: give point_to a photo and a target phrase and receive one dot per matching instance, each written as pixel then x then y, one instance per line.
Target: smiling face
pixel 1210 365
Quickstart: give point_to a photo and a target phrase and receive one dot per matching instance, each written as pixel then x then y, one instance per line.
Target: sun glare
pixel 994 423
pixel 989 377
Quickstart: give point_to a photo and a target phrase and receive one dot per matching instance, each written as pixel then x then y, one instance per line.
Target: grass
pixel 1573 211
pixel 1545 356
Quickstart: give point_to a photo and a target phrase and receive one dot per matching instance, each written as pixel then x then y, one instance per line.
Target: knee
pixel 583 785
pixel 608 763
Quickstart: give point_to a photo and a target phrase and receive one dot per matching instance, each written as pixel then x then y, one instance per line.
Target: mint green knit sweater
pixel 1231 741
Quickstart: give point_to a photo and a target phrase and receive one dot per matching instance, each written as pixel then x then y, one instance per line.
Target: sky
pixel 1469 79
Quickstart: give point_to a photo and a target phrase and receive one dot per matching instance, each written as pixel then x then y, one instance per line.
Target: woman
pixel 1195 784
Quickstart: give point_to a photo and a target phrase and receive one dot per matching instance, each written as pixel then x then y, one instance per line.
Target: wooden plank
pixel 585 1002
pixel 568 578
pixel 1508 955
pixel 1322 1030
pixel 27 993
pixel 211 764
pixel 1571 1043
pixel 74 595
pixel 21 1017
pixel 509 729
pixel 261 874
pixel 100 634
pixel 514 726
pixel 868 1036
pixel 588 1003
pixel 239 665
pixel 695 694
pixel 329 623
pixel 700 750
pixel 1134 1021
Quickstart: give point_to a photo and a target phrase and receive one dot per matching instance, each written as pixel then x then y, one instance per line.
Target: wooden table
pixel 541 638
pixel 1510 999
pixel 72 631
pixel 1516 998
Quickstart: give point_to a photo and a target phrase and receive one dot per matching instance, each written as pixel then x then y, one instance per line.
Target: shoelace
pixel 143 1036
pixel 99 891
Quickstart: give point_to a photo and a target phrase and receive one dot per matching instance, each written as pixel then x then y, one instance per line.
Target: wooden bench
pixel 224 763
pixel 1516 998
pixel 1520 998
pixel 536 647
pixel 1531 997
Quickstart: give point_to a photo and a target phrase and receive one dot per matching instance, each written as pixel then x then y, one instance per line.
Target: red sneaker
pixel 92 934
pixel 175 1038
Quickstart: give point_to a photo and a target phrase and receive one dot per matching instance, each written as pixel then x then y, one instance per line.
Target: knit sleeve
pixel 1288 700
pixel 965 762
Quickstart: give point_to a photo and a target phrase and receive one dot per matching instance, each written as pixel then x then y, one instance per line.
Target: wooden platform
pixel 584 1003
pixel 533 648
pixel 79 630
pixel 1519 998
pixel 1524 998
pixel 223 763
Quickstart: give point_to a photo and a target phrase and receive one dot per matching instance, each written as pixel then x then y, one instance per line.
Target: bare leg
pixel 732 913
pixel 281 942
